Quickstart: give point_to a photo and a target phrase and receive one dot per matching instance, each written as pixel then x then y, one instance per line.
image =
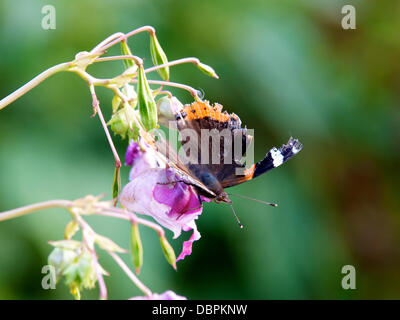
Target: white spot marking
pixel 295 150
pixel 277 157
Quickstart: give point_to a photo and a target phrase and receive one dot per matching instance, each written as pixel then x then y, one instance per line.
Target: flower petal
pixel 132 153
pixel 187 245
pixel 139 196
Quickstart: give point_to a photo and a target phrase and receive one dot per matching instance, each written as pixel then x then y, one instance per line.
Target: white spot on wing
pixel 277 157
pixel 295 149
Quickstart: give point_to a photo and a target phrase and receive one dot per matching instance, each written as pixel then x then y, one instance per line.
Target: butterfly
pixel 211 179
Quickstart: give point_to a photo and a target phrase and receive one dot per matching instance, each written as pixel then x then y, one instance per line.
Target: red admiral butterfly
pixel 210 179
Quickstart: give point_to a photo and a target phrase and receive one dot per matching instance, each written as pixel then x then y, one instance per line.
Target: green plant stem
pixel 130 274
pixel 7 215
pixel 96 106
pixel 104 45
pixel 86 229
pixel 193 60
pixel 126 215
pixel 33 83
pixel 193 91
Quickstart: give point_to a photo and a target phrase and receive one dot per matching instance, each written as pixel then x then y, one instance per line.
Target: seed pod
pixel 136 247
pixel 207 70
pixel 168 251
pixel 159 57
pixel 116 186
pixel 146 104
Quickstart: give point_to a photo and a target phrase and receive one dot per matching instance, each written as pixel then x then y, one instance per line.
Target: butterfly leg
pixel 176 181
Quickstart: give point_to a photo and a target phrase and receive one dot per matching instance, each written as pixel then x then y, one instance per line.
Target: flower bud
pixel 116 102
pixel 129 91
pixel 169 107
pixel 136 247
pixel 122 123
pixel 119 124
pixel 75 291
pixel 60 258
pixel 72 260
pixel 168 251
pixel 146 103
pixel 81 273
pixel 159 57
pixel 207 70
pixel 66 244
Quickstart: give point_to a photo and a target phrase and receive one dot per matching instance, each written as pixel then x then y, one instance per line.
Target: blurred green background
pixel 286 68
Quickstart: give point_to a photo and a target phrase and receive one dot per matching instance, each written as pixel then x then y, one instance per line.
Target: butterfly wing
pixel 209 138
pixel 169 156
pixel 274 158
pixel 229 170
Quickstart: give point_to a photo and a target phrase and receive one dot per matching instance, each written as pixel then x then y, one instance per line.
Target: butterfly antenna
pixel 248 198
pixel 237 219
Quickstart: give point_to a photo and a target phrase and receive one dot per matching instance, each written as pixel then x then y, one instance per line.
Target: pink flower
pixel 167 295
pixel 140 160
pixel 156 192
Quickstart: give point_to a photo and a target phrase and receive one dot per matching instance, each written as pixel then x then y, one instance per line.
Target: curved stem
pixel 87 229
pixel 10 214
pixel 166 92
pixel 137 59
pixel 100 47
pixel 193 60
pixel 33 83
pixel 96 107
pixel 126 215
pixel 100 278
pixel 107 40
pixel 130 274
pixel 192 91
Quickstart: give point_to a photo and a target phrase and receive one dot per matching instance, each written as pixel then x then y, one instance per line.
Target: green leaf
pixel 136 247
pixel 146 104
pixel 159 57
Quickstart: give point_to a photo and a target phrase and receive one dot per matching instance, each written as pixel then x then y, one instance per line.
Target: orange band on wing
pixel 199 110
pixel 233 181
